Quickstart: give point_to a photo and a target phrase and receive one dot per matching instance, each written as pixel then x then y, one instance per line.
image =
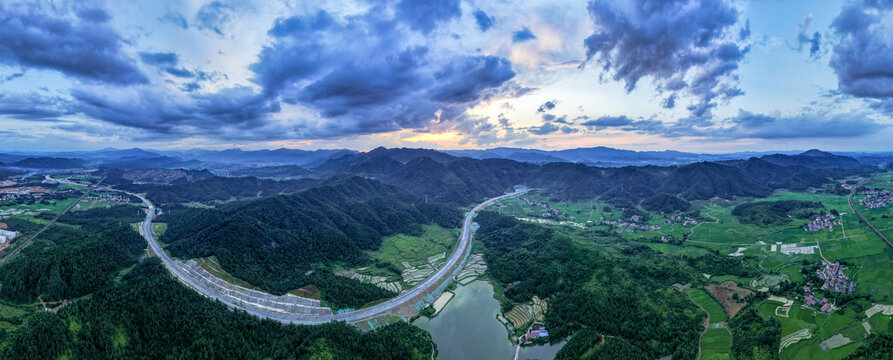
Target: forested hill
pixel 464 181
pixel 273 242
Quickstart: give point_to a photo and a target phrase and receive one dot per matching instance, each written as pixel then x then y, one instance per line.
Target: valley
pixel 707 260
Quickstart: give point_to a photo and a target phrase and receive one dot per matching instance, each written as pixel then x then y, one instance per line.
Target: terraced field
pixel 715 344
pixel 416 250
pixel 713 308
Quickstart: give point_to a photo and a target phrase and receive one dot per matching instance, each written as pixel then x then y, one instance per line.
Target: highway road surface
pixel 387 307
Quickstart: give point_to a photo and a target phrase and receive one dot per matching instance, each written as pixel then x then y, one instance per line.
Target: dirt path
pixel 707 326
pixel 706 323
pixel 692 232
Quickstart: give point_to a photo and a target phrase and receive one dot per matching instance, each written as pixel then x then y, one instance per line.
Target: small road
pixel 407 298
pixel 6 255
pixel 876 231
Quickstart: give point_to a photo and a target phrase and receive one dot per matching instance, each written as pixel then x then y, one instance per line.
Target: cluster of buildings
pixel 23 192
pixel 835 279
pixel 789 249
pixel 550 212
pixel 876 199
pixel 811 300
pixel 11 212
pixel 7 236
pixel 684 220
pixel 629 226
pixel 109 197
pixel 823 222
pixel 536 331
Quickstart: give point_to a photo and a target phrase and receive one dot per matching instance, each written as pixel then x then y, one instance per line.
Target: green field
pixel 822 326
pixel 416 249
pixel 880 323
pixel 713 308
pixel 13 316
pixel 715 344
pixel 158 229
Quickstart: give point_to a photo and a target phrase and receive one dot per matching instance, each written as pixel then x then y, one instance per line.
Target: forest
pixel 774 213
pixel 66 262
pixel 273 243
pixel 622 291
pixel 151 316
pixel 218 189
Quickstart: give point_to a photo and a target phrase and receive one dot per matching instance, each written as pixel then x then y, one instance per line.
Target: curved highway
pixel 386 307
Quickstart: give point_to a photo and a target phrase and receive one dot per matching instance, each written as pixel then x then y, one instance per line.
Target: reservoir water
pixel 467 328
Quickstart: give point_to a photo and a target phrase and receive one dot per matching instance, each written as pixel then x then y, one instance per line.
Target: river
pixel 467 328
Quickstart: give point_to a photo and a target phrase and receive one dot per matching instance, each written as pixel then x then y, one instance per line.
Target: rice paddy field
pixel 705 301
pixel 845 322
pixel 417 249
pixel 715 344
pixel 831 336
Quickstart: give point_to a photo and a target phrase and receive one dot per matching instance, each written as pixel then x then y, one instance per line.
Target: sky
pixel 689 75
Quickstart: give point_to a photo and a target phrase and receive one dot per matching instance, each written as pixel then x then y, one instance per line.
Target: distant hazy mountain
pixel 157 162
pixel 278 156
pixel 49 163
pixel 379 160
pixel 813 159
pixel 601 156
pixel 272 171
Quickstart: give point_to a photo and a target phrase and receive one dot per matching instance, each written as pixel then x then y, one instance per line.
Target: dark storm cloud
pixel 523 35
pixel 159 58
pixel 168 62
pixel 32 107
pixel 609 121
pixel 545 129
pixel 95 15
pixel 804 39
pixel 862 55
pixel 385 80
pixel 377 84
pixel 468 79
pixel 221 114
pixel 425 15
pixel 546 106
pixel 569 130
pixel 12 76
pixel 32 37
pixel 748 125
pixel 180 72
pixel 683 45
pixel 806 125
pixel 484 21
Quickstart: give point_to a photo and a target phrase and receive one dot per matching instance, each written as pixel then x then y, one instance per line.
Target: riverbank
pixel 467 328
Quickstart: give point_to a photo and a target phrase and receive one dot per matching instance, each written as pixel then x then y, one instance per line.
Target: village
pixel 550 212
pixel 110 197
pixel 834 280
pixel 876 199
pixel 632 225
pixel 823 222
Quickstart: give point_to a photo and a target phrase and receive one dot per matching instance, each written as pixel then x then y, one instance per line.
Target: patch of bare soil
pixel 725 294
pixel 310 292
